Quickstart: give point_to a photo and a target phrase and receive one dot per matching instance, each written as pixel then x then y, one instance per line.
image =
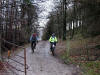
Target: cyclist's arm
pixel 56 39
pixel 50 40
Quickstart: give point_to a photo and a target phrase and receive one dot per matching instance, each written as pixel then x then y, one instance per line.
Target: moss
pixel 91 68
pixel 88 67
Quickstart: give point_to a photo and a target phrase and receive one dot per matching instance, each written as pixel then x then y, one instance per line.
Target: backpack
pixel 33 38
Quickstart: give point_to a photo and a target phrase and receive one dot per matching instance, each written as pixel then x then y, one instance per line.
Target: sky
pixel 45 7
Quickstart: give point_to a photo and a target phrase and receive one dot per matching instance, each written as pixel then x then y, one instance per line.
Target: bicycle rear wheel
pixel 53 53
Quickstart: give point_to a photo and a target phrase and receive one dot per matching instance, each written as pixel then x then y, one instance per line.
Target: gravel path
pixel 43 63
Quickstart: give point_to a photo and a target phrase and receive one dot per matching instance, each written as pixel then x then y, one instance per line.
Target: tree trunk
pixel 0 41
pixel 64 19
pixel 0 47
pixel 0 34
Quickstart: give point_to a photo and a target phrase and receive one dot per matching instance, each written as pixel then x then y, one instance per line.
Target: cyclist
pixel 53 39
pixel 33 40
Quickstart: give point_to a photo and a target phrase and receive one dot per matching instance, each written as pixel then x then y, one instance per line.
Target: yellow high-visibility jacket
pixel 53 39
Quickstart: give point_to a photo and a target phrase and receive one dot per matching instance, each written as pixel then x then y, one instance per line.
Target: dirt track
pixel 43 63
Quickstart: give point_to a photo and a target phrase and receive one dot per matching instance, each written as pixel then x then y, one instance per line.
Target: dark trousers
pixel 33 44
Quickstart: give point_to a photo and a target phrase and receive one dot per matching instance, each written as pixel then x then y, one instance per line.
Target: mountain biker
pixel 53 39
pixel 33 40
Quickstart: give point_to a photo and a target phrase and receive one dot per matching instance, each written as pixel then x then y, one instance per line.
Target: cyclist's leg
pixel 50 45
pixel 35 45
pixel 32 45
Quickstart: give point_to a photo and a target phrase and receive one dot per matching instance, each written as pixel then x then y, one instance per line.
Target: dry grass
pixel 60 48
pixel 80 46
pixel 78 53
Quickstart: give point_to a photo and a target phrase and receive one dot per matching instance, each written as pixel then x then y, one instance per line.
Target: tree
pixel 76 17
pixel 17 22
pixel 0 44
pixel 64 19
pixel 0 48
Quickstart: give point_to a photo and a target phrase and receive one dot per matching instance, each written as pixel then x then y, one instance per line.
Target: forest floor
pixel 75 52
pixel 41 62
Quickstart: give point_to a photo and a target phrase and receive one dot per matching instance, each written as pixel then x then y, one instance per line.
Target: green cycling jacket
pixel 53 39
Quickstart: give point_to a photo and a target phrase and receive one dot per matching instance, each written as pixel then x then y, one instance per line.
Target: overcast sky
pixel 45 7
